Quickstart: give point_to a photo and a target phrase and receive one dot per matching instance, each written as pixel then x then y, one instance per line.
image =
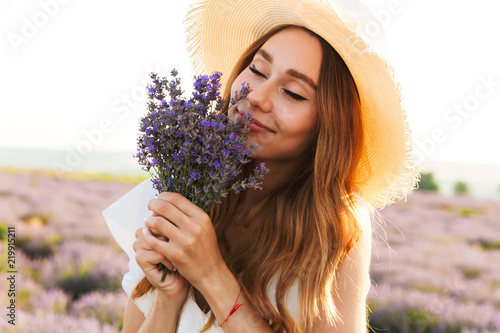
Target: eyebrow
pixel 291 72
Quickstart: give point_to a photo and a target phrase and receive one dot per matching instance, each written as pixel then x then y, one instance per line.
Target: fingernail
pixel 144 231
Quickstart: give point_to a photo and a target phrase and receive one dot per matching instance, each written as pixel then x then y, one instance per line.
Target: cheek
pixel 234 86
pixel 302 124
pixel 303 130
pixel 240 79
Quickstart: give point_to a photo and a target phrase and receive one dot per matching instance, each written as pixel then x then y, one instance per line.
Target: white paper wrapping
pixel 123 218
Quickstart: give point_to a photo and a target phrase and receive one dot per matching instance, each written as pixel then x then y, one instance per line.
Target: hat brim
pixel 219 31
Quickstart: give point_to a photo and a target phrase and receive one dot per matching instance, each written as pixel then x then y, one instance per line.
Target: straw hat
pixel 218 31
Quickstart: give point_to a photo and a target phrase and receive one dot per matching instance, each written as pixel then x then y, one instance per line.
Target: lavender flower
pixel 189 146
pixel 107 307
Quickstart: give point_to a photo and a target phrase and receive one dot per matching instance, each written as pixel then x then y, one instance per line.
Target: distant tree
pixel 427 182
pixel 461 188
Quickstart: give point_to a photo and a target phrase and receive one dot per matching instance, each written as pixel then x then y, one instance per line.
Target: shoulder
pixel 356 264
pixel 363 216
pixel 353 283
pixel 353 276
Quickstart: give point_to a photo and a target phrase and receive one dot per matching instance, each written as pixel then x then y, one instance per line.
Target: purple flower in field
pixel 54 300
pixel 496 321
pixel 108 308
pixel 190 146
pixel 80 267
pixel 42 321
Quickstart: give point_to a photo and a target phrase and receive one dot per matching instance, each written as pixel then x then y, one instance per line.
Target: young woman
pixel 295 256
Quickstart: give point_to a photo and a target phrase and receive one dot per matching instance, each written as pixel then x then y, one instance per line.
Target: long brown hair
pixel 303 229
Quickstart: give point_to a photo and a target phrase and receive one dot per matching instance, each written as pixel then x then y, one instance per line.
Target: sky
pixel 72 73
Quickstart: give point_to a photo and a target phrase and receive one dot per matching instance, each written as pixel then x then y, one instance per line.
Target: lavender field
pixel 435 267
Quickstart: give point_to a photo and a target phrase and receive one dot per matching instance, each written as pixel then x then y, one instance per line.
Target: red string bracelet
pixel 235 307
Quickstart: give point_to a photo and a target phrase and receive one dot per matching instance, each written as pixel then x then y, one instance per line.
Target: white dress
pixel 123 218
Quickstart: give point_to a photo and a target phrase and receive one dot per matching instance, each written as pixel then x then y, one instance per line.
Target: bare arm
pixel 193 250
pixel 221 294
pixel 169 297
pixel 353 283
pixel 134 318
pixel 162 318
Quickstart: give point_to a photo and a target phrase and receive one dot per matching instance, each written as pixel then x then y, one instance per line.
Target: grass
pixel 471 272
pixel 489 245
pixel 36 219
pixel 3 231
pixel 467 212
pixel 80 176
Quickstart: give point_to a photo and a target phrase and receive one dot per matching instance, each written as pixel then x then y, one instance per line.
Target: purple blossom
pixel 195 149
pixel 101 306
pixel 194 138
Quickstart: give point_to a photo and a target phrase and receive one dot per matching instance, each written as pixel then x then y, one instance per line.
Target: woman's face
pixel 283 77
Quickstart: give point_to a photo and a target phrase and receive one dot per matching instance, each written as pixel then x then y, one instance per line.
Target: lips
pixel 256 125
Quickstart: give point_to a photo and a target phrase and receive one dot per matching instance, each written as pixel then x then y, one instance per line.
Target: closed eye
pixel 288 92
pixel 256 71
pixel 294 95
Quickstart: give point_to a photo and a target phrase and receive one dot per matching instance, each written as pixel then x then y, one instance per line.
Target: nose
pixel 261 96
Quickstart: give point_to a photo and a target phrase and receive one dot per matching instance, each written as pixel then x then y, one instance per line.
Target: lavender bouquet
pixel 189 147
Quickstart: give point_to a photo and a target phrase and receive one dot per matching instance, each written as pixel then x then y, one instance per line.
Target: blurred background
pixel 73 77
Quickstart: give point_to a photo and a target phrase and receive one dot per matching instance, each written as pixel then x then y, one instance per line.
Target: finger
pixel 167 263
pixel 163 227
pixel 140 243
pixel 188 209
pixel 182 203
pixel 157 234
pixel 168 211
pixel 146 257
pixel 162 238
pixel 155 244
pixel 139 233
pixel 149 259
pixel 154 258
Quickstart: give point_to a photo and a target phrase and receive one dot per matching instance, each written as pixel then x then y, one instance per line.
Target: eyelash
pixel 256 71
pixel 293 95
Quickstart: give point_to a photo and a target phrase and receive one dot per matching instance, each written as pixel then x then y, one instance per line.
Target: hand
pixel 174 288
pixel 192 244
